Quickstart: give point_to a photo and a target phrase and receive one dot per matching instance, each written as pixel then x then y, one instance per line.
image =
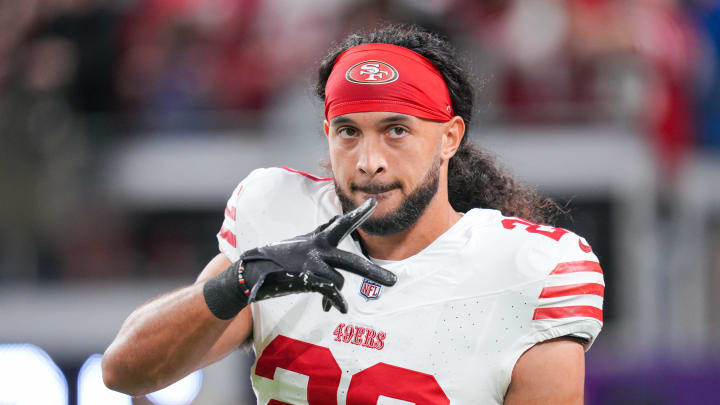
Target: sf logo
pixel 373 71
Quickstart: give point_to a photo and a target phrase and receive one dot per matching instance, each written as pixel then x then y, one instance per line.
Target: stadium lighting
pixel 28 376
pixel 182 392
pixel 92 390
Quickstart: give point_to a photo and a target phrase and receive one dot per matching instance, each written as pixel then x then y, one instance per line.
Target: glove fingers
pixel 326 304
pixel 360 266
pixel 341 227
pixel 318 267
pixel 325 225
pixel 330 293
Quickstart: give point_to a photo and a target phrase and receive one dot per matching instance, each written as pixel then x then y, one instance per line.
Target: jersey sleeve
pixel 570 301
pixel 273 204
pixel 237 233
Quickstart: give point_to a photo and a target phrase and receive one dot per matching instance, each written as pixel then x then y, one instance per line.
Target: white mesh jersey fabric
pixel 462 312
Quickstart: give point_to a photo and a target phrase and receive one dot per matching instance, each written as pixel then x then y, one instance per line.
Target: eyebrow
pixel 392 118
pixel 341 120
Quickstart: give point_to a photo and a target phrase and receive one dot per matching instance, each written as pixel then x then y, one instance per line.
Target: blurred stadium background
pixel 125 125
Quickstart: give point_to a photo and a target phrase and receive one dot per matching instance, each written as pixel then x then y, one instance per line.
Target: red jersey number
pixel 545 230
pixel 314 361
pixel 366 386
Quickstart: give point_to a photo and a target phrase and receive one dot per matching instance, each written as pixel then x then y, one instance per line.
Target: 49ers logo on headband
pixel 372 72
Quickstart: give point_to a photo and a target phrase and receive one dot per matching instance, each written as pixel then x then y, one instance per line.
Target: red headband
pixel 383 77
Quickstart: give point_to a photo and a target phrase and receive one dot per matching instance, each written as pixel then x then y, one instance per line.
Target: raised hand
pixel 305 263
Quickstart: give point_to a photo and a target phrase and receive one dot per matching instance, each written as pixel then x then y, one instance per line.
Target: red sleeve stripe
pixel 228 236
pixel 573 289
pixel 308 175
pixel 568 312
pixel 574 267
pixel 230 212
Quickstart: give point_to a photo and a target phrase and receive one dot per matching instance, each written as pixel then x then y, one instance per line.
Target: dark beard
pixel 404 216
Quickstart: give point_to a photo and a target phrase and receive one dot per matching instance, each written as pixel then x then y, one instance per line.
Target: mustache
pixel 375 188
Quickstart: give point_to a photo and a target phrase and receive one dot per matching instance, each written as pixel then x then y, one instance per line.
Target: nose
pixel 371 161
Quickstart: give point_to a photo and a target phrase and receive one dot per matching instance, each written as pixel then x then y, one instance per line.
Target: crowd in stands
pixel 74 71
pixel 653 62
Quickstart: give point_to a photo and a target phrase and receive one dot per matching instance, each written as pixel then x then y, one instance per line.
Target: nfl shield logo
pixel 370 290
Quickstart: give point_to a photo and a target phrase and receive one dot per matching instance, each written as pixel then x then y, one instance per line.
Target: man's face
pixel 394 158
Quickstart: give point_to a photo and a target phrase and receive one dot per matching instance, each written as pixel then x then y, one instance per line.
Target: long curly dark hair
pixel 474 178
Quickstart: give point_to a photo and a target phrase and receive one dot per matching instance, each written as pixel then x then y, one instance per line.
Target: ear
pixel 453 132
pixel 326 127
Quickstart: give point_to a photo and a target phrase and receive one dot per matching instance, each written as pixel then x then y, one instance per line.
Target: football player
pixel 448 290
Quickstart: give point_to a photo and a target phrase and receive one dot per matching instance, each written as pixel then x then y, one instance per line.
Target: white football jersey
pixel 449 332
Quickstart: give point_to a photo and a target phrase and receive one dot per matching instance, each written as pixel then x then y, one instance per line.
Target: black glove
pixel 301 264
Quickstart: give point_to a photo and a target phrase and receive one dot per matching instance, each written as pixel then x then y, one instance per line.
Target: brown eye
pixel 398 132
pixel 347 132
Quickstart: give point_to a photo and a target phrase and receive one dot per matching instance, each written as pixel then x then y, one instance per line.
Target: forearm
pixel 175 334
pixel 161 342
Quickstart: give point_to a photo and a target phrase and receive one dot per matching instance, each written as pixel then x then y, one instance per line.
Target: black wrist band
pixel 226 294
